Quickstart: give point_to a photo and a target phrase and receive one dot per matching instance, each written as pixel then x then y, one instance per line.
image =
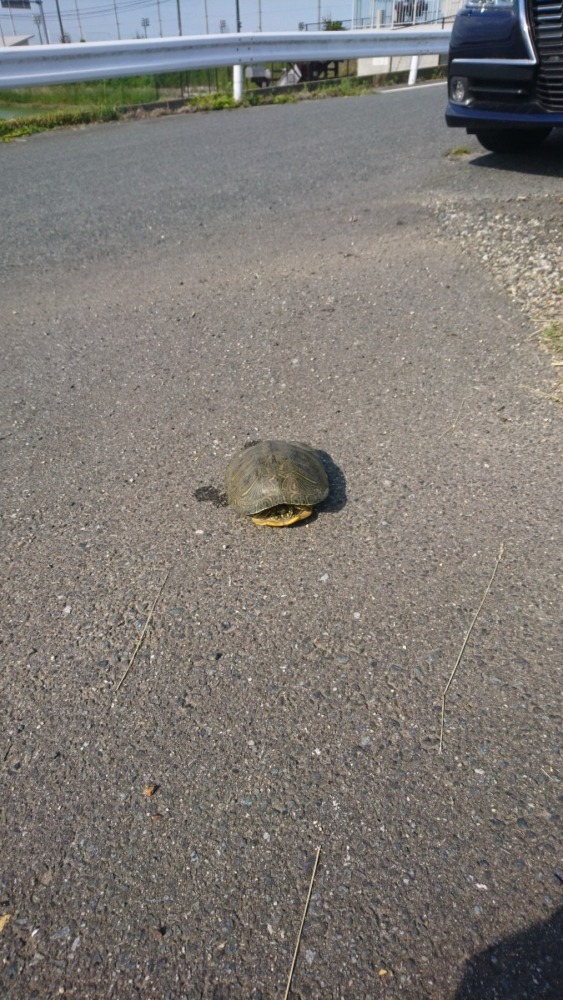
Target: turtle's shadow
pixel 336 498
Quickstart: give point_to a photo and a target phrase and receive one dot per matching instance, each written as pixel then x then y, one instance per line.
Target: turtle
pixel 276 482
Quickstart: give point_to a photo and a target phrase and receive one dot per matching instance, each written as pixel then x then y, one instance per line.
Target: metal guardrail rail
pixel 38 65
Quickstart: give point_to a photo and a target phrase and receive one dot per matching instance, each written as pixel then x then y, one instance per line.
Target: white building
pixel 9 40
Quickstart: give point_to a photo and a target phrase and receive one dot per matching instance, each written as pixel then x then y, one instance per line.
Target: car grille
pixel 547 29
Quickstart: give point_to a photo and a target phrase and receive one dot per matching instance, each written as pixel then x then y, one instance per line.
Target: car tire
pixel 512 140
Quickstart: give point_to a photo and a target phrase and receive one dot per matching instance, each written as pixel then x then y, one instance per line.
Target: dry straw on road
pixel 464 644
pixel 303 918
pixel 144 632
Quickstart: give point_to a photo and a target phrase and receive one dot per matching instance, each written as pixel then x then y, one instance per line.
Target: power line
pixel 92 12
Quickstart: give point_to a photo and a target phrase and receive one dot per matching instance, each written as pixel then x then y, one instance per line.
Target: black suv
pixel 505 72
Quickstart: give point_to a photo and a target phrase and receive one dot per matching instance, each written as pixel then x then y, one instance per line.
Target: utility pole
pixel 79 22
pixel 37 23
pixel 63 39
pixel 43 21
pixel 159 17
pixel 26 5
pixel 259 15
pixel 180 32
pixel 145 23
pixel 239 25
pixel 116 20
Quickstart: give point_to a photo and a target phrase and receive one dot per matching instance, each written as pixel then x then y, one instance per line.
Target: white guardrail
pixel 37 65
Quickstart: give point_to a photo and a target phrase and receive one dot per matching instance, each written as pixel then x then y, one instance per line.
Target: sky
pixel 98 21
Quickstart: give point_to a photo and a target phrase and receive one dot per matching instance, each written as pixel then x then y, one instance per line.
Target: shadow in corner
pixel 547 161
pixel 336 498
pixel 526 966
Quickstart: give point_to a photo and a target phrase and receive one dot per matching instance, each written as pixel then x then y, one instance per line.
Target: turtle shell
pixel 270 473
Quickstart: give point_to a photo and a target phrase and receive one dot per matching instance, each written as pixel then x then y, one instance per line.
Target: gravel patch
pixel 521 245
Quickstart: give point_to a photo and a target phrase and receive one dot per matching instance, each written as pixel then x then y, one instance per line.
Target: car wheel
pixel 512 140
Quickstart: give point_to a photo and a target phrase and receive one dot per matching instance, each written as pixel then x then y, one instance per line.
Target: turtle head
pixel 282 515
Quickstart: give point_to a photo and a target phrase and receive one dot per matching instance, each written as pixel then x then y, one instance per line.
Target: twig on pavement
pixel 304 917
pixel 453 426
pixel 464 644
pixel 143 633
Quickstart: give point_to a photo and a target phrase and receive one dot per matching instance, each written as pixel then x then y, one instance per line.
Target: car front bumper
pixel 473 119
pixel 494 60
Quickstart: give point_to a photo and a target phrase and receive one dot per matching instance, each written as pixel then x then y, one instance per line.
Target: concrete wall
pixel 393 64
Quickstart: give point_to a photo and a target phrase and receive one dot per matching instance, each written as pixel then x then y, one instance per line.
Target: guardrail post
pixel 237 83
pixel 413 72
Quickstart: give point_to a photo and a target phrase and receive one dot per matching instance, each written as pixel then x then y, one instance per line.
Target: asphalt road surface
pixel 171 289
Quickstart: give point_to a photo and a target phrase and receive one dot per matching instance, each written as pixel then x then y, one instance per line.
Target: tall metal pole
pixel 206 17
pixel 60 20
pixel 180 32
pixel 42 12
pixel 259 15
pixel 159 17
pixel 319 16
pixel 116 20
pixel 79 21
pixel 37 23
pixel 239 26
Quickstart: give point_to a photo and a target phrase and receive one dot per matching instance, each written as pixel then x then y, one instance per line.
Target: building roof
pixel 9 40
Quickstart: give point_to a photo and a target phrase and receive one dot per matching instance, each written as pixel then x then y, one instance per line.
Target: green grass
pixel 212 102
pixel 36 109
pixel 15 128
pixel 350 87
pixel 554 337
pixel 118 93
pixel 459 151
pixel 20 112
pixel 101 93
pixel 553 340
pixel 284 99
